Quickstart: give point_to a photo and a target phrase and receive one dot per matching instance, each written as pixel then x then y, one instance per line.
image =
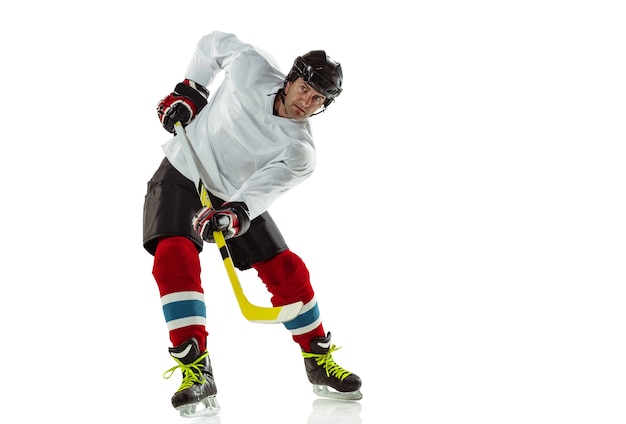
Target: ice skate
pixel 196 395
pixel 329 379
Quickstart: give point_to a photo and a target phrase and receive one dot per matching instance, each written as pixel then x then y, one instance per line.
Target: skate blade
pixel 205 408
pixel 326 392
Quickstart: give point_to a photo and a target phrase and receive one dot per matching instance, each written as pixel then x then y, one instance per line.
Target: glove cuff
pixel 241 210
pixel 194 92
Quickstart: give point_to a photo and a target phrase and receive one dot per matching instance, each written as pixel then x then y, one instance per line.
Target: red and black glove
pixel 183 104
pixel 232 220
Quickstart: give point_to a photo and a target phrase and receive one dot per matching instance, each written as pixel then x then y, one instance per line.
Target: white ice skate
pixel 207 407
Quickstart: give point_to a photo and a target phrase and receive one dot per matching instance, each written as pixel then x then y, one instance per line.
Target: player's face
pixel 301 100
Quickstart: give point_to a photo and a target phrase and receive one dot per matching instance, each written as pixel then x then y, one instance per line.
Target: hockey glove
pixel 183 104
pixel 232 219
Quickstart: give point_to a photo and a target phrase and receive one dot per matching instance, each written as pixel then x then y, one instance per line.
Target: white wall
pixel 464 228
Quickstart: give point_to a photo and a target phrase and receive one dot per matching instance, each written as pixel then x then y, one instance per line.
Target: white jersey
pixel 251 155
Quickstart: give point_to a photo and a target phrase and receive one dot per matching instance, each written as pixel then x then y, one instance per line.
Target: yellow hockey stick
pixel 254 313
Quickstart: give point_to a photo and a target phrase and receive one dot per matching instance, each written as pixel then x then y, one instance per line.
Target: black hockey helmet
pixel 320 72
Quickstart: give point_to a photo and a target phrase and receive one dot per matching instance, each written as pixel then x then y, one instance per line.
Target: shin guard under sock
pixel 287 279
pixel 177 273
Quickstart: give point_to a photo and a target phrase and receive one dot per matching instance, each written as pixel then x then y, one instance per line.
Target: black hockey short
pixel 171 202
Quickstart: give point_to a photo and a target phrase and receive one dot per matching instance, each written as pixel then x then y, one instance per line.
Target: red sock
pixel 177 273
pixel 287 279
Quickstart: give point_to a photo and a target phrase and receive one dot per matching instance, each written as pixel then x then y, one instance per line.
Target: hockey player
pixel 253 136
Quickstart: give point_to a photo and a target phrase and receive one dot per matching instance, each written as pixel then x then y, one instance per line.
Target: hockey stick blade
pixel 252 312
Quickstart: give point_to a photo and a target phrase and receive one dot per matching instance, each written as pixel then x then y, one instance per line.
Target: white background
pixel 464 228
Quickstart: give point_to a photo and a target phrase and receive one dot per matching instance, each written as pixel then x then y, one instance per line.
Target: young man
pixel 253 138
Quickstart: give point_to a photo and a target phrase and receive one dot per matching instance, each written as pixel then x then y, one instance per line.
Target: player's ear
pixel 287 86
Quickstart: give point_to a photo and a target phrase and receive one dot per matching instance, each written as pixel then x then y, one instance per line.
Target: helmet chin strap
pixel 321 111
pixel 280 93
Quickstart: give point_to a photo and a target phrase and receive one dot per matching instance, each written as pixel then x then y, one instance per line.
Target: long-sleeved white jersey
pixel 251 155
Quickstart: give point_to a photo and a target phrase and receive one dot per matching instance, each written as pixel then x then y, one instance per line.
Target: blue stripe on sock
pixel 307 318
pixel 184 309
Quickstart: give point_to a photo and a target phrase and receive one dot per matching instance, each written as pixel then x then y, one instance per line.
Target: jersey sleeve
pixel 295 165
pixel 214 52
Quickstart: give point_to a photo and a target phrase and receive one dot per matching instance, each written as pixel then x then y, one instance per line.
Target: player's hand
pixel 182 104
pixel 232 220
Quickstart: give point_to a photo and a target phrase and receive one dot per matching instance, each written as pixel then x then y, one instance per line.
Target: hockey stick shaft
pixel 250 311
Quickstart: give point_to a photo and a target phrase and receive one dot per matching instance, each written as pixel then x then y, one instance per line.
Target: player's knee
pixel 286 278
pixel 175 256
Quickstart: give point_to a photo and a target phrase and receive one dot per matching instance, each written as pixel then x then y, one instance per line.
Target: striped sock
pixel 177 273
pixel 306 325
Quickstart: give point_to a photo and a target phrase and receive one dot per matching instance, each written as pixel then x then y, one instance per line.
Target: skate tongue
pixel 186 352
pixel 321 345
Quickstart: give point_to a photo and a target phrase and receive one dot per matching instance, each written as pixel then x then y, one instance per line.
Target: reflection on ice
pixel 331 411
pixel 201 419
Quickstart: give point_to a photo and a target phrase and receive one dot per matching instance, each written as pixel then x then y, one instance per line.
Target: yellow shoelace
pixel 326 360
pixel 192 373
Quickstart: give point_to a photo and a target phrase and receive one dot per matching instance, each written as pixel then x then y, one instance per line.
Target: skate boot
pixel 329 379
pixel 196 395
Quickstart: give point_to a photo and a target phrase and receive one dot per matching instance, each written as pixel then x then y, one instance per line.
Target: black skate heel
pixel 196 396
pixel 329 380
